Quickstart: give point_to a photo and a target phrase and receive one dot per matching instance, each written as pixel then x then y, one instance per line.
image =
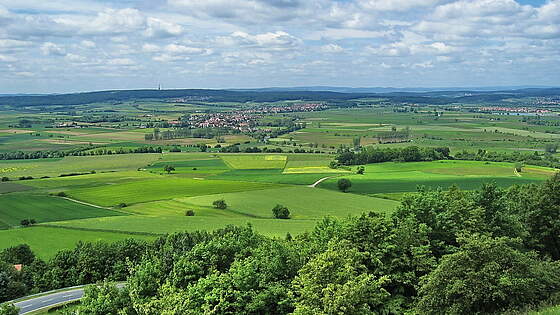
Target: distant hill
pixel 389 89
pixel 276 94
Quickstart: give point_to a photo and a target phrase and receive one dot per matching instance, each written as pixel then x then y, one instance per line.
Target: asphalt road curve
pixel 49 300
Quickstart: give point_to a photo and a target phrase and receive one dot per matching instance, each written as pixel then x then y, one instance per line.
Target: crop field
pixel 271 176
pixel 394 177
pixel 207 166
pixel 304 203
pixel 250 183
pixel 170 224
pixel 57 184
pixel 158 189
pixel 16 207
pixel 251 162
pixel 8 187
pixel 46 241
pixel 55 167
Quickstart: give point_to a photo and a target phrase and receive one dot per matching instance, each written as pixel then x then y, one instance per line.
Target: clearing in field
pixel 254 161
pixel 16 207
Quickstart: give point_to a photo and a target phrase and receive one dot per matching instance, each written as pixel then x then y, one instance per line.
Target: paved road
pixel 53 299
pixel 49 300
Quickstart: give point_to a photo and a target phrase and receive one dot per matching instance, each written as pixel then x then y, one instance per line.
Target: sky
pixel 60 46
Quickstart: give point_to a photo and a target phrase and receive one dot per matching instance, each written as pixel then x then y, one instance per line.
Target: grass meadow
pixel 394 177
pixel 166 187
pixel 46 241
pixel 16 207
pixel 251 184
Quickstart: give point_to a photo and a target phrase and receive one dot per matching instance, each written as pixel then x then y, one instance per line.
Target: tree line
pixel 546 159
pixel 488 251
pixel 372 154
pixel 181 133
pixel 88 151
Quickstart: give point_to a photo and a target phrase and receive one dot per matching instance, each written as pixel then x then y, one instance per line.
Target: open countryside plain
pixel 97 187
pixel 141 200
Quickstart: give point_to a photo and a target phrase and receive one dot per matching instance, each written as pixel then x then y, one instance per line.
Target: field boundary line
pixel 87 204
pixel 96 206
pixel 99 230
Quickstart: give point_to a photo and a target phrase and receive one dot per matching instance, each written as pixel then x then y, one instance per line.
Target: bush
pixel 61 194
pixel 189 213
pixel 25 222
pixel 360 170
pixel 25 177
pixel 281 212
pixel 220 204
pixel 344 184
pixel 486 276
pixel 5 179
pixel 122 205
pixel 518 167
pixel 8 309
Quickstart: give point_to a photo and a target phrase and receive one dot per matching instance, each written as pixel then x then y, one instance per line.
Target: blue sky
pixel 81 45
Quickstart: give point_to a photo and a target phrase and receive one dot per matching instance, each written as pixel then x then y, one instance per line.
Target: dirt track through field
pixel 319 181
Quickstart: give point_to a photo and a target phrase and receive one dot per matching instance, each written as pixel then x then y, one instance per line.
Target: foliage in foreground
pixel 441 252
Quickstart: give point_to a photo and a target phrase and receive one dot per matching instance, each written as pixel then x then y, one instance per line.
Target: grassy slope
pixel 255 161
pixel 303 202
pixel 16 207
pixel 46 241
pixel 169 224
pixel 158 189
pixel 308 205
pixel 393 177
pixel 8 187
pixel 270 176
pixel 55 167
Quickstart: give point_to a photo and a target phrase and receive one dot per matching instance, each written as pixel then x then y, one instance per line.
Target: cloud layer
pixel 62 45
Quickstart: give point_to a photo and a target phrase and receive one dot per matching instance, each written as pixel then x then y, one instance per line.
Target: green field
pixel 8 187
pixel 159 189
pixel 46 241
pixel 251 183
pixel 394 177
pixel 16 207
pixel 251 162
pixel 307 205
pixel 200 167
pixel 304 203
pixel 69 164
